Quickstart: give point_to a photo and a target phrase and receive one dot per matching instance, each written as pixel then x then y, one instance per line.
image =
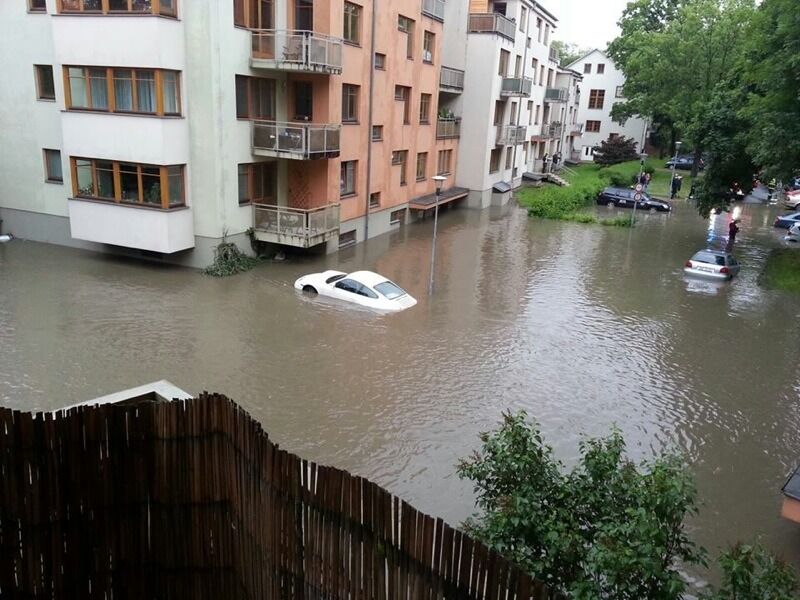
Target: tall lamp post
pixel 674 162
pixel 642 158
pixel 439 180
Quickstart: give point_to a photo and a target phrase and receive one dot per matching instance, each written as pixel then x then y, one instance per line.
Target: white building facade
pixel 601 88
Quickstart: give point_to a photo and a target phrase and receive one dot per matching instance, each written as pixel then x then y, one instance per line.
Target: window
pixel 52 166
pixel 539 29
pixel 518 66
pixel 530 112
pixel 535 67
pixel 587 68
pixel 45 87
pixel 424 108
pixel 347 179
pixel 422 165
pixel 620 93
pixel 350 103
pixel 536 116
pixel 443 162
pixel 550 76
pixel 494 160
pixel 546 34
pixel 541 75
pixel 399 158
pixel 509 156
pixel 406 25
pixel 596 99
pixel 37 6
pixel 304 15
pixel 352 23
pixel 375 200
pixel 347 239
pixel 380 61
pixel 512 118
pixel 258 183
pixel 428 45
pixel 377 133
pixel 613 136
pixel 255 98
pixel 403 94
pixel 396 217
pixel 131 183
pixel 528 43
pixel 165 7
pixel 499 107
pixel 255 14
pixel 593 126
pixel 144 91
pixel 601 68
pixel 502 67
pixel 523 18
pixel 303 101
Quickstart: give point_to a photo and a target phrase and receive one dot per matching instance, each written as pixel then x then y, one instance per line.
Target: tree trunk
pixel 698 151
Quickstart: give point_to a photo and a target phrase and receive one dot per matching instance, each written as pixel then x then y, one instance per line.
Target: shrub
pixel 615 150
pixel 229 260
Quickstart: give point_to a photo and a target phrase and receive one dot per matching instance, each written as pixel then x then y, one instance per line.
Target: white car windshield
pixel 709 258
pixel 390 290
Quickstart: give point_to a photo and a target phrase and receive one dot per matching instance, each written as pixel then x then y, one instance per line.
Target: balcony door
pixel 304 15
pixel 262 14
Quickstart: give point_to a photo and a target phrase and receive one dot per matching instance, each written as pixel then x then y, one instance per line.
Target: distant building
pixel 601 88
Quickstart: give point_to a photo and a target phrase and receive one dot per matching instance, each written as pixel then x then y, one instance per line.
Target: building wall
pixel 608 81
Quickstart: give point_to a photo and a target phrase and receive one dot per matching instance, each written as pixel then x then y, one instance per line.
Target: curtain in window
pixel 99 88
pixel 171 97
pixel 123 89
pixel 77 88
pixel 146 91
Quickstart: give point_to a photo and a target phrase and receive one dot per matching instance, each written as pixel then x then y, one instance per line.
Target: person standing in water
pixel 733 229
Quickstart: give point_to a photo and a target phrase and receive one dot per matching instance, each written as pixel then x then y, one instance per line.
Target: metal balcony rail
pixel 451 80
pixel 508 135
pixel 492 23
pixel 297 226
pixel 556 94
pixel 554 55
pixel 516 86
pixel 433 8
pixel 297 50
pixel 296 140
pixel 448 128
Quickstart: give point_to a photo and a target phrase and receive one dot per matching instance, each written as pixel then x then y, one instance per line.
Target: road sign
pixel 637 196
pixel 639 187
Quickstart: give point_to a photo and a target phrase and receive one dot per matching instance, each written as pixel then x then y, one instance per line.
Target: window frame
pixel 351 97
pixel 400 159
pixel 591 129
pixel 428 53
pixel 374 200
pixel 346 172
pixel 249 99
pixel 446 157
pixel 587 68
pixel 619 92
pixel 502 65
pixel 422 161
pixel 495 157
pixel 48 177
pixel 156 9
pixel 35 10
pixel 382 61
pixel 379 129
pixel 351 33
pixel 37 73
pixel 252 171
pixel 597 99
pixel 425 100
pixel 407 28
pixel 402 93
pixel 601 68
pixel 509 157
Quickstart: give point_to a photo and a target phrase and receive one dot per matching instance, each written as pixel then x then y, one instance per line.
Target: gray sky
pixel 588 23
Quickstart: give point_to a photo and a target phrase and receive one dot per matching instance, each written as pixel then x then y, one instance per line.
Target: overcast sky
pixel 588 23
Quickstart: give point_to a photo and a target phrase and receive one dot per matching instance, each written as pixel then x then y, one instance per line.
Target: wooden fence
pixel 192 500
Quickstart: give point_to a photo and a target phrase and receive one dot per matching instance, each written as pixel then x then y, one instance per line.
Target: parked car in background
pixel 714 264
pixel 685 162
pixel 787 220
pixel 792 199
pixel 362 287
pixel 624 198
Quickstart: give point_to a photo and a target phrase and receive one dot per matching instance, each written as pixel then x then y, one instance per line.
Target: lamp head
pixel 439 180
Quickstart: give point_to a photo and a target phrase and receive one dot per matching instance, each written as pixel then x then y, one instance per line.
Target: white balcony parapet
pixel 492 23
pixel 448 128
pixel 298 227
pixel 433 8
pixel 300 141
pixel 516 86
pixel 294 50
pixel 556 94
pixel 510 135
pixel 451 80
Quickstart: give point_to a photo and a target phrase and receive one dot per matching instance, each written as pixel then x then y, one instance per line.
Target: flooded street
pixel 582 326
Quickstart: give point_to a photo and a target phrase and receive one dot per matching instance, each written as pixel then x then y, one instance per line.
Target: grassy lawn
pixel 659 186
pixel 782 271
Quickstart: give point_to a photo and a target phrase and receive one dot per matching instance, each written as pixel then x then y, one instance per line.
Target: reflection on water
pixel 583 326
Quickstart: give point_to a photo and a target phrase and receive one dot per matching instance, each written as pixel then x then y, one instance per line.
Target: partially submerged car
pixel 361 287
pixel 625 198
pixel 713 264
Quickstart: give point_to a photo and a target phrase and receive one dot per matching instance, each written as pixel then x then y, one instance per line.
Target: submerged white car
pixel 362 287
pixel 713 264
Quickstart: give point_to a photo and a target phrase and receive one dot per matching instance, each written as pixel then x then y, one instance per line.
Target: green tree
pixel 609 528
pixel 615 150
pixel 568 53
pixel 751 572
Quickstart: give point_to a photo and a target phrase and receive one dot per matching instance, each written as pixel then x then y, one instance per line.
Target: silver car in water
pixel 713 264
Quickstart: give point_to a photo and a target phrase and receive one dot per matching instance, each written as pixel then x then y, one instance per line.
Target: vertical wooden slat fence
pixel 190 499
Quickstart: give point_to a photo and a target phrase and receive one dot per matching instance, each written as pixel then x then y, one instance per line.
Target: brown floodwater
pixel 585 327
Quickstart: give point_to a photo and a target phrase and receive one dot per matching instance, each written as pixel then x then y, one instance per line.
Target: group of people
pixel 547 159
pixel 644 180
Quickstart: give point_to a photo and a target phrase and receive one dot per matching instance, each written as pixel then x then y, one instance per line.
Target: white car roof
pixel 367 278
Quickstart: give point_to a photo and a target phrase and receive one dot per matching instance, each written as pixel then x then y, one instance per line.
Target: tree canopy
pixel 615 150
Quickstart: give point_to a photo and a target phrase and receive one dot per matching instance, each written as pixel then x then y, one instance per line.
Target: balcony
pixel 556 129
pixel 492 23
pixel 298 141
pixel 298 227
pixel 511 135
pixel 447 129
pixel 556 94
pixel 516 86
pixel 451 80
pixel 303 51
pixel 576 129
pixel 143 228
pixel 554 55
pixel 433 9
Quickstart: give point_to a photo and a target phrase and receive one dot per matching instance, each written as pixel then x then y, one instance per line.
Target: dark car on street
pixel 624 198
pixel 685 162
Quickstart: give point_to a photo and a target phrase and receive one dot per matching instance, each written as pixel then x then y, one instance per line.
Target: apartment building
pixel 510 105
pixel 602 87
pixel 158 127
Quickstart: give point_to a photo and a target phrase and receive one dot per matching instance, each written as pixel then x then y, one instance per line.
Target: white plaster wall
pixel 454 43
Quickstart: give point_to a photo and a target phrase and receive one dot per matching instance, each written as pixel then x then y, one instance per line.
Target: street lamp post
pixel 642 157
pixel 439 180
pixel 674 162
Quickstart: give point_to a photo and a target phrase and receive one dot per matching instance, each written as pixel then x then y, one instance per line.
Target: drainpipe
pixel 369 118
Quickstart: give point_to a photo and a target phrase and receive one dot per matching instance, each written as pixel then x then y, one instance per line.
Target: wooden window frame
pixel 597 99
pixel 448 155
pixel 117 199
pixel 380 131
pixel 250 99
pixel 495 168
pixel 373 196
pixel 252 172
pixel 424 157
pixel 351 91
pixel 47 175
pixel 38 78
pixel 425 118
pixel 343 166
pixel 354 14
pixel 428 36
pixel 409 29
pixel 155 9
pixel 591 129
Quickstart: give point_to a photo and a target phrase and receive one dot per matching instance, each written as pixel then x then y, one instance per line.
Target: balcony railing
pixel 556 129
pixel 301 141
pixel 516 86
pixel 433 8
pixel 451 80
pixel 296 51
pixel 576 129
pixel 492 23
pixel 554 55
pixel 448 128
pixel 509 135
pixel 556 94
pixel 298 227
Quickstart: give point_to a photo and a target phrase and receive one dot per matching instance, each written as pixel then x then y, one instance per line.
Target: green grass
pixel 782 271
pixel 659 186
